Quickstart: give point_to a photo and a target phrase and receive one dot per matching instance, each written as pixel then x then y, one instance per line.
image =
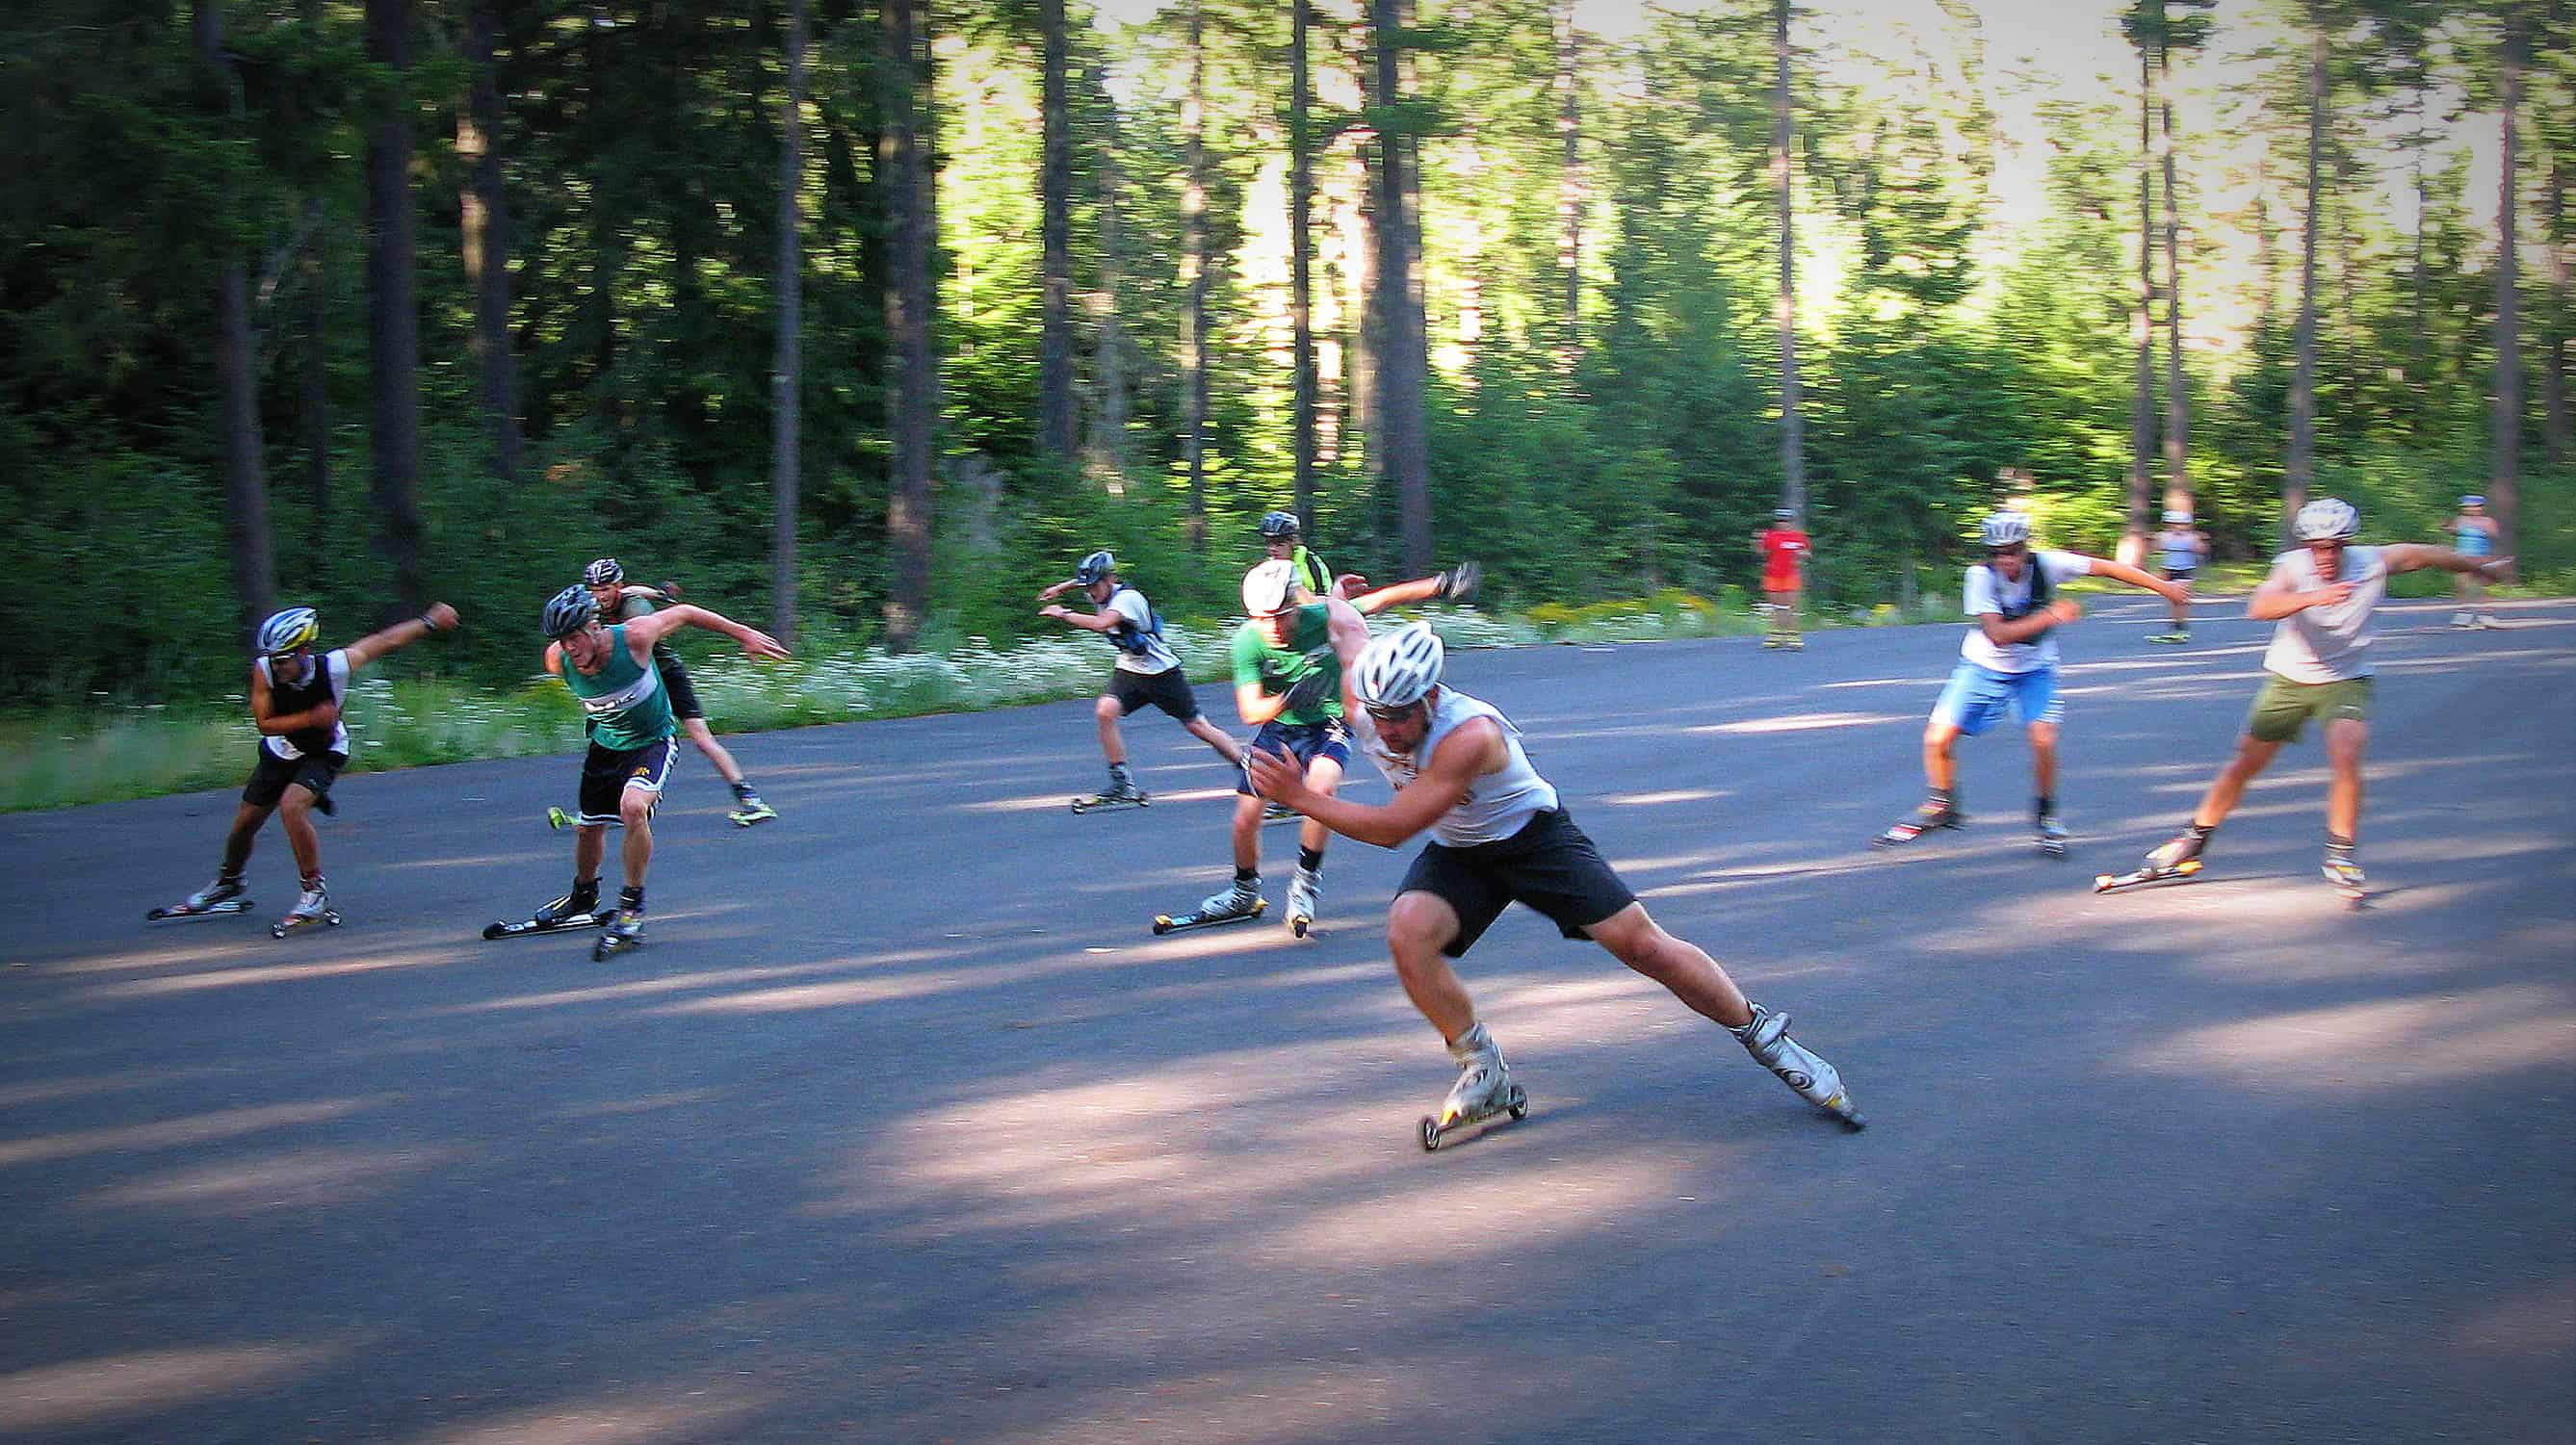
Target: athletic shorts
pixel 316 771
pixel 2282 709
pixel 684 695
pixel 1303 741
pixel 2181 573
pixel 1979 697
pixel 1169 690
pixel 1779 581
pixel 1549 865
pixel 606 774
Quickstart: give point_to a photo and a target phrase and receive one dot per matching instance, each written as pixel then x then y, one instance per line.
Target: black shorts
pixel 675 681
pixel 1169 690
pixel 606 774
pixel 2179 574
pixel 1303 741
pixel 1549 865
pixel 316 771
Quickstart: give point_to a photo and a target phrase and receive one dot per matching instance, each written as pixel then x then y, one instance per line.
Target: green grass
pixel 110 751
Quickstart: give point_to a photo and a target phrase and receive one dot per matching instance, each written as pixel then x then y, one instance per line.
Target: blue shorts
pixel 1978 697
pixel 1303 741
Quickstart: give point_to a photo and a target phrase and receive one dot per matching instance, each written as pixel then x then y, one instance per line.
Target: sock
pixel 631 898
pixel 2046 804
pixel 1246 877
pixel 1311 859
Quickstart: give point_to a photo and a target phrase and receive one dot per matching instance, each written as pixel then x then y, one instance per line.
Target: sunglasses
pixel 1389 714
pixel 2015 550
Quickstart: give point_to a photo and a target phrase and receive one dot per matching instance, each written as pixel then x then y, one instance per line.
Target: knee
pixel 1106 709
pixel 635 810
pixel 297 805
pixel 2043 737
pixel 1416 927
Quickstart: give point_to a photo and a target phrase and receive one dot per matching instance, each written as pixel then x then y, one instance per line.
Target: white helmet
pixel 2326 519
pixel 286 631
pixel 1398 667
pixel 1268 587
pixel 2004 529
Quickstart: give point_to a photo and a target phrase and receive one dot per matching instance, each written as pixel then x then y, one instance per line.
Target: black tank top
pixel 285 699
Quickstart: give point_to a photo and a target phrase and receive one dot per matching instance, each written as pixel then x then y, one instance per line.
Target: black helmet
pixel 602 572
pixel 1278 526
pixel 569 611
pixel 1095 569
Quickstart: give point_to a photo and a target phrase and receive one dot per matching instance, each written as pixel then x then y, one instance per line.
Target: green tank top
pixel 626 704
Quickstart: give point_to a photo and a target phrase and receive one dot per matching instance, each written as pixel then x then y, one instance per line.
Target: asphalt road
pixel 904 1129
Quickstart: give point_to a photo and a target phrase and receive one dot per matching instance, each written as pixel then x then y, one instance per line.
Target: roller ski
pixel 1801 1068
pixel 1305 895
pixel 1483 1094
pixel 312 907
pixel 2175 638
pixel 625 933
pixel 1238 904
pixel 2175 861
pixel 558 819
pixel 224 895
pixel 1929 816
pixel 747 808
pixel 1118 795
pixel 577 909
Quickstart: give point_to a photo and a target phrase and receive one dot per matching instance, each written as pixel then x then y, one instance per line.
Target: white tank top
pixel 1500 803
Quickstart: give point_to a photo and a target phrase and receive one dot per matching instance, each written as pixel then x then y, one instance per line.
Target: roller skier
pixel 1147 672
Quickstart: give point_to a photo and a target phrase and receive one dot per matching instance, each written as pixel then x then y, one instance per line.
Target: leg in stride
pixel 1635 939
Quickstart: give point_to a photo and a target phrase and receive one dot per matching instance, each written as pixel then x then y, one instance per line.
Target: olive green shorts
pixel 2282 709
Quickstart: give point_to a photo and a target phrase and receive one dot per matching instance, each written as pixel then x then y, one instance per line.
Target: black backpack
pixel 2041 591
pixel 1127 637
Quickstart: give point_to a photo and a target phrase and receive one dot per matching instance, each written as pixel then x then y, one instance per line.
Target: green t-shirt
pixel 1275 669
pixel 626 703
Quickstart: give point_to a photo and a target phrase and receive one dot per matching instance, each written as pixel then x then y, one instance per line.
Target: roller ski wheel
pixel 2183 871
pixel 1436 1130
pixel 1202 918
pixel 748 816
pixel 1924 819
pixel 299 922
pixel 594 918
pixel 1110 802
pixel 210 910
pixel 2050 838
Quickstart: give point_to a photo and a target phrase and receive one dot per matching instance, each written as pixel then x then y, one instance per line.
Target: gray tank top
pixel 1498 805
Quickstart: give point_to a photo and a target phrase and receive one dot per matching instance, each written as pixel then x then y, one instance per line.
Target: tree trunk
pixel 787 364
pixel 1109 364
pixel 911 395
pixel 393 323
pixel 1569 188
pixel 2142 331
pixel 254 556
pixel 2300 474
pixel 1194 387
pixel 484 218
pixel 315 383
pixel 1301 294
pixel 2504 488
pixel 1404 361
pixel 2417 363
pixel 2554 421
pixel 2177 380
pixel 1055 227
pixel 1784 311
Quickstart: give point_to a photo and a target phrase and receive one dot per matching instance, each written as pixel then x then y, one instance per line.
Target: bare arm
pixel 1087 621
pixel 643 632
pixel 554 658
pixel 2027 628
pixel 2411 556
pixel 2277 599
pixel 367 649
pixel 2123 572
pixel 1472 750
pixel 1423 589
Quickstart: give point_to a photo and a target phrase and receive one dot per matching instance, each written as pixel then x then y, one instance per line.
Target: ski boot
pixel 1121 793
pixel 1937 811
pixel 2049 832
pixel 577 909
pixel 1305 894
pixel 625 928
pixel 748 808
pixel 1484 1090
pixel 1767 1040
pixel 2344 875
pixel 2461 621
pixel 558 819
pixel 2486 619
pixel 2178 858
pixel 224 895
pixel 1233 904
pixel 311 907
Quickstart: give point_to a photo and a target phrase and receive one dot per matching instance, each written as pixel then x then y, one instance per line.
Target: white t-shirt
pixel 1498 805
pixel 1987 592
pixel 1129 603
pixel 2327 644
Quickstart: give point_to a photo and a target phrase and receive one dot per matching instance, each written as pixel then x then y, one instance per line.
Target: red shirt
pixel 1783 549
